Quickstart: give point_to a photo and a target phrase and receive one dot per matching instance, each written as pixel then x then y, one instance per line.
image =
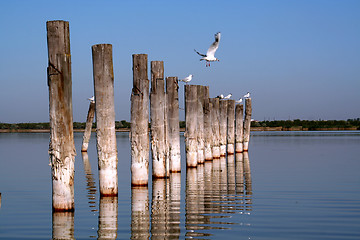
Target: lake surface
pixel 291 185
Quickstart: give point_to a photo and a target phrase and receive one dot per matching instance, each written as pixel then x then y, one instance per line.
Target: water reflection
pixel 214 192
pixel 108 218
pixel 90 182
pixel 62 225
pixel 140 213
pixel 165 207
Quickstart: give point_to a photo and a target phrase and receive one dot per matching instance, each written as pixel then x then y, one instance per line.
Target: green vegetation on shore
pixel 296 124
pixel 310 125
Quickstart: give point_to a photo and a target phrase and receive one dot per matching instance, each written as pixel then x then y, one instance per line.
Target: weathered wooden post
pixel 157 116
pixel 239 128
pixel 207 125
pixel 215 128
pixel 223 126
pixel 139 132
pixel 200 124
pixel 173 128
pixel 191 108
pixel 61 148
pixel 231 127
pixel 105 119
pixel 247 124
pixel 108 218
pixel 88 126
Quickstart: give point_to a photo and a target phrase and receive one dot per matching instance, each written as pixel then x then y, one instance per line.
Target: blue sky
pixel 298 58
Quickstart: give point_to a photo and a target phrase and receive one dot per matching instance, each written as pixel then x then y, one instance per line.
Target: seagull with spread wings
pixel 210 55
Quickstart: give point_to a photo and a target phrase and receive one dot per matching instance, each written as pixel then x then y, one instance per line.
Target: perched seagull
pixel 228 96
pixel 92 99
pixel 187 79
pixel 210 54
pixel 247 95
pixel 220 96
pixel 239 101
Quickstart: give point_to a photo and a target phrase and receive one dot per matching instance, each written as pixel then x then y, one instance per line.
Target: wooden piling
pixel 157 116
pixel 239 128
pixel 215 128
pixel 88 126
pixel 231 127
pixel 61 148
pixel 207 125
pixel 247 124
pixel 173 128
pixel 139 136
pixel 223 110
pixel 200 125
pixel 105 119
pixel 191 108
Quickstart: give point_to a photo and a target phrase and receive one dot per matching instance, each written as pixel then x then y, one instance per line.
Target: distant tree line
pixel 309 124
pixel 46 125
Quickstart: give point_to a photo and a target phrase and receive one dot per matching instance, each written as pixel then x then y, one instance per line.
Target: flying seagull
pixel 228 96
pixel 239 101
pixel 187 79
pixel 210 54
pixel 247 95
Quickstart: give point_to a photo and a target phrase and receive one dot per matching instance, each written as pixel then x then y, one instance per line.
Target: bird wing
pixel 214 46
pixel 200 53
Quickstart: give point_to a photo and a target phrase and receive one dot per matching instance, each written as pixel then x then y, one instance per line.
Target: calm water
pixel 291 185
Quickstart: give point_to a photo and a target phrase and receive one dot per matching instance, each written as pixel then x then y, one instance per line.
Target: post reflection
pixel 214 192
pixel 159 208
pixel 108 215
pixel 140 216
pixel 174 205
pixel 62 225
pixel 90 182
pixel 165 207
pixel 248 183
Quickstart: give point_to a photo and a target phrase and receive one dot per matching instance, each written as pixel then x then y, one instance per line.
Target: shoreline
pixel 253 129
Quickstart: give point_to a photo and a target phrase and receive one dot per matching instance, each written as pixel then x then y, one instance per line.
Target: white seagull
pixel 210 54
pixel 92 99
pixel 239 101
pixel 220 96
pixel 187 79
pixel 228 96
pixel 247 95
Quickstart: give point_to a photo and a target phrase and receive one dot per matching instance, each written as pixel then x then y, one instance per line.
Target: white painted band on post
pixel 222 150
pixel 230 148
